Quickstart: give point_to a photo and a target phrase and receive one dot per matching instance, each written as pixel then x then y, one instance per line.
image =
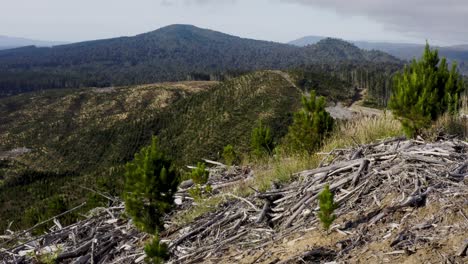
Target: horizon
pixel 272 20
pixel 64 42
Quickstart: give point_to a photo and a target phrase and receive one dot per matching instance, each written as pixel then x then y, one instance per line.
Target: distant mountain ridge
pixel 7 42
pixel 167 54
pixel 404 51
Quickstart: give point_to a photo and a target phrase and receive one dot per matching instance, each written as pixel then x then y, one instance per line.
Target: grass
pixel 363 131
pixel 450 125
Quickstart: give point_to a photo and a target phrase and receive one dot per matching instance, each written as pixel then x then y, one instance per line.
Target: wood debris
pixel 381 190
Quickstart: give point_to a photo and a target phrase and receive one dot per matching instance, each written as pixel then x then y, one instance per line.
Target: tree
pixel 311 124
pixel 327 206
pixel 150 183
pixel 229 155
pixel 261 140
pixel 424 91
pixel 156 252
pixel 199 174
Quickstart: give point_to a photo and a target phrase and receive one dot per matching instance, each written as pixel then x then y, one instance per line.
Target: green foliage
pixel 150 183
pixel 181 51
pixel 156 252
pixel 199 174
pixel 261 142
pixel 327 206
pixel 310 126
pixel 424 91
pixel 56 206
pixel 229 155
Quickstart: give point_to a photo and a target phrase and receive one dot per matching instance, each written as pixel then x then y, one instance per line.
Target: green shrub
pixel 261 141
pixel 150 183
pixel 327 206
pixel 156 252
pixel 229 155
pixel 310 125
pixel 199 174
pixel 424 91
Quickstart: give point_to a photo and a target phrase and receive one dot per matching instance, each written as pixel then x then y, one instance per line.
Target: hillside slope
pixel 168 54
pixel 75 138
pixel 53 141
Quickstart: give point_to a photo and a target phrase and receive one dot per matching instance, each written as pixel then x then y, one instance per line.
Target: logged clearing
pixel 399 201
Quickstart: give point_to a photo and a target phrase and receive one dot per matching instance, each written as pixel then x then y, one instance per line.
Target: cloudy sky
pixel 442 22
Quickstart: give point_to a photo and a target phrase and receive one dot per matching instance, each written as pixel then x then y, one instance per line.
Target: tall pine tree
pixel 150 183
pixel 424 91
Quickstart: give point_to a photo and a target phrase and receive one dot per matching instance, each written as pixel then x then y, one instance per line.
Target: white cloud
pixel 443 20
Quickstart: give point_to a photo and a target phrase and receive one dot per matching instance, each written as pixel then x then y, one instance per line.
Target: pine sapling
pixel 327 206
pixel 229 155
pixel 156 252
pixel 199 176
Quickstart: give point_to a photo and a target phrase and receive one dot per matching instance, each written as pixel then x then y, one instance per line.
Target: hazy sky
pixel 439 21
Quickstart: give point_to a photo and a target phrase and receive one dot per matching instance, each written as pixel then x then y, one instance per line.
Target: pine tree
pixel 150 183
pixel 156 252
pixel 199 174
pixel 229 155
pixel 261 141
pixel 327 207
pixel 424 91
pixel 310 126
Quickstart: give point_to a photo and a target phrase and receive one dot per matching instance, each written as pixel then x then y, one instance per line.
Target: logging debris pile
pixel 398 200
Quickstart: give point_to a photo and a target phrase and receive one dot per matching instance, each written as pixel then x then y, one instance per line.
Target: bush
pixel 327 206
pixel 229 155
pixel 150 183
pixel 310 125
pixel 424 91
pixel 156 252
pixel 261 142
pixel 200 175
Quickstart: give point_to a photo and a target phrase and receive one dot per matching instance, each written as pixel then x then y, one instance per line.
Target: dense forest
pixel 403 51
pixel 173 53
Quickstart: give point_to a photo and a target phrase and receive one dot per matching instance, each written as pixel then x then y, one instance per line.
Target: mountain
pixel 404 51
pixel 7 42
pixel 307 40
pixel 168 54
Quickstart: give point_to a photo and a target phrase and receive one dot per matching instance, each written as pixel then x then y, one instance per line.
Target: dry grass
pixel 464 107
pixel 363 130
pixel 357 131
pixel 448 125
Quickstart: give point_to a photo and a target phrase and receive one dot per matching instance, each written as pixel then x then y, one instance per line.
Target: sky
pixel 441 22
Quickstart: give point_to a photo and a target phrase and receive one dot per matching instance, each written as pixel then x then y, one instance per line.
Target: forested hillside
pixel 54 141
pixel 404 51
pixel 171 53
